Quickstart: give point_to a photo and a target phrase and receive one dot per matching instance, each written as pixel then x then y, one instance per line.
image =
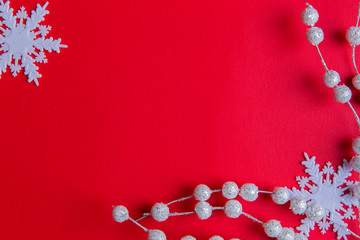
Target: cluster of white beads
pixel 315 36
pixel 274 229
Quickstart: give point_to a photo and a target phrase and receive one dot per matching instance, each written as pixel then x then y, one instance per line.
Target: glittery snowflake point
pixel 23 40
pixel 331 190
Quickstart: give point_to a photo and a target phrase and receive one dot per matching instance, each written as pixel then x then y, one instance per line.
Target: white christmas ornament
pixel 156 235
pixel 120 214
pixel 286 234
pixel 230 190
pixel 160 212
pixel 328 189
pixel 216 238
pixel 188 238
pixel 233 209
pixel 23 41
pixel 249 192
pixel 202 192
pixel 298 205
pixel 203 210
pixel 280 195
pixel 272 228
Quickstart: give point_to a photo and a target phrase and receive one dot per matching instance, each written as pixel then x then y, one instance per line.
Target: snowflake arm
pixel 7 14
pixel 37 16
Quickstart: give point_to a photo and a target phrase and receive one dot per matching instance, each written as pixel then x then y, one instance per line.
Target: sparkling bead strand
pixel 331 78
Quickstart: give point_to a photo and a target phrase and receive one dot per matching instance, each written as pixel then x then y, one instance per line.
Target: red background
pixel 154 97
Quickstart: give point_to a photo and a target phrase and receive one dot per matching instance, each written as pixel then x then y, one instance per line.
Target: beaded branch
pixel 325 197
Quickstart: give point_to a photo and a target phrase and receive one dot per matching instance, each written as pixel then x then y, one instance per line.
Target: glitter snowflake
pixel 331 191
pixel 22 40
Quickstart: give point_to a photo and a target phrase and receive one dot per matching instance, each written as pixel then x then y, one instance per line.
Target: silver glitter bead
pixel 355 163
pixel 356 145
pixel 280 195
pixel 216 238
pixel 233 209
pixel 356 82
pixel 353 36
pixel 160 212
pixel 315 35
pixel 120 214
pixel 235 239
pixel 298 205
pixel 202 192
pixel 203 210
pixel 331 78
pixel 342 94
pixel 315 212
pixel 272 228
pixel 249 192
pixel 230 190
pixel 356 191
pixel 188 238
pixel 300 236
pixel 156 235
pixel 310 16
pixel 286 234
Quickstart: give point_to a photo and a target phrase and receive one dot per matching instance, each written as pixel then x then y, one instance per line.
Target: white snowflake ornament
pixel 22 40
pixel 330 190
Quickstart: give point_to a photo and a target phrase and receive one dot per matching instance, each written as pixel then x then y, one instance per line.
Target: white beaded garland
pixel 272 228
pixel 188 238
pixel 230 190
pixel 233 209
pixel 355 163
pixel 249 192
pixel 286 234
pixel 216 238
pixel 300 236
pixel 342 94
pixel 280 195
pixel 120 214
pixel 309 16
pixel 353 36
pixel 356 82
pixel 298 205
pixel 315 212
pixel 203 210
pixel 202 192
pixel 160 212
pixel 315 35
pixel 356 191
pixel 331 78
pixel 356 145
pixel 156 235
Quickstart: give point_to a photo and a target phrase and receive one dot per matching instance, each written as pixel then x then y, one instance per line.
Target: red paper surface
pixel 152 98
